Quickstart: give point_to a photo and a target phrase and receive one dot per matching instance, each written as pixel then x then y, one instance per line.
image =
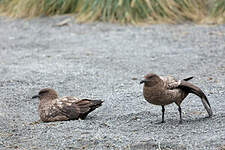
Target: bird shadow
pixel 184 121
pixel 215 118
pixel 196 120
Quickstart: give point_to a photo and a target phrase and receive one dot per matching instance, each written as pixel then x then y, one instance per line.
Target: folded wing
pixel 73 108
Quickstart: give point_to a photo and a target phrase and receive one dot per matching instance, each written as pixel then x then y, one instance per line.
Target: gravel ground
pixel 105 61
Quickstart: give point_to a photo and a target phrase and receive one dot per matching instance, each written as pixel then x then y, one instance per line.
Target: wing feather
pixel 75 108
pixel 190 88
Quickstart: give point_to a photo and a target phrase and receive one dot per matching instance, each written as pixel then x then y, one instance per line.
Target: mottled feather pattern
pixel 65 101
pixel 52 108
pixel 170 82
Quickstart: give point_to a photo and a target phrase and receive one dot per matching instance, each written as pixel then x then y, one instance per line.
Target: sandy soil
pixel 104 61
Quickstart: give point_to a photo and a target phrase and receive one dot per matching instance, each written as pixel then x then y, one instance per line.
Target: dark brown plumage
pixel 52 108
pixel 166 90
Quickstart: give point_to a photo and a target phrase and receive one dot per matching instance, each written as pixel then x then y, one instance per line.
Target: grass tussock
pixel 218 11
pixel 119 11
pixel 33 8
pixel 143 11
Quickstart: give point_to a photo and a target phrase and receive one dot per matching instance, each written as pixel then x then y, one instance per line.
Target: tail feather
pixel 189 78
pixel 86 106
pixel 190 88
pixel 95 104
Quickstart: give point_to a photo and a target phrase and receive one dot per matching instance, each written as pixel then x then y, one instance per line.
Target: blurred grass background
pixel 120 11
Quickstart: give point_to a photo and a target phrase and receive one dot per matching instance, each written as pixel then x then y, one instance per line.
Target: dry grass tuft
pixel 121 11
pixel 33 8
pixel 218 11
pixel 144 11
